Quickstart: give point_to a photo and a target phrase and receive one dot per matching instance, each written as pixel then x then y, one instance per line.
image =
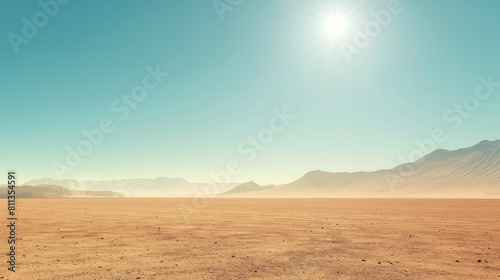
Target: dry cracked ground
pixel 255 239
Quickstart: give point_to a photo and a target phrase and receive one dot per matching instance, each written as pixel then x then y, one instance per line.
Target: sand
pixel 256 239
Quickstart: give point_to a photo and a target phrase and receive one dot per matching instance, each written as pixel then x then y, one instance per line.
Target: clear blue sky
pixel 226 76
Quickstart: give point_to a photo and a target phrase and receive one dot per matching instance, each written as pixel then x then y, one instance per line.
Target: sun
pixel 329 27
pixel 335 26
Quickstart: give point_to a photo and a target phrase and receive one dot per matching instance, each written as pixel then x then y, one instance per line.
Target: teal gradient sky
pixel 226 77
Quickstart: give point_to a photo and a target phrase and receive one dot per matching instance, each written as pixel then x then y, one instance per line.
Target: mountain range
pixel 472 172
pixel 141 187
pixel 247 187
pixel 52 191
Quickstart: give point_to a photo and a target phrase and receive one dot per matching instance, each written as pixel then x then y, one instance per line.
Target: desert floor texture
pixel 255 239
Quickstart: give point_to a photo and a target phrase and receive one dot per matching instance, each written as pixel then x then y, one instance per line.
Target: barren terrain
pixel 255 239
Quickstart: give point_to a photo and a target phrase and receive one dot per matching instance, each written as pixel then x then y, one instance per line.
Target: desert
pixel 256 139
pixel 140 238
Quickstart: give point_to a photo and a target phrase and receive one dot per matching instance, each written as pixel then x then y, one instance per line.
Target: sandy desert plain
pixel 129 238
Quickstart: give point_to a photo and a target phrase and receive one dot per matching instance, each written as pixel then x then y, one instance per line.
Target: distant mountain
pixel 51 191
pixel 472 172
pixel 141 187
pixel 67 183
pixel 247 187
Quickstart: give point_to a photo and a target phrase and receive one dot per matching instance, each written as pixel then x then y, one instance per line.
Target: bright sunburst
pixel 330 25
pixel 335 26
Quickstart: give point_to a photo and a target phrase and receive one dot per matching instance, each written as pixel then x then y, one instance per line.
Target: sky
pixel 262 90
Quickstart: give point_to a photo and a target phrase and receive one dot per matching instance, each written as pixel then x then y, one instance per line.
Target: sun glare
pixel 335 26
pixel 331 26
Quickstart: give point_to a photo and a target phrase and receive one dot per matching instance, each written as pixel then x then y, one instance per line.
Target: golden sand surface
pixel 254 239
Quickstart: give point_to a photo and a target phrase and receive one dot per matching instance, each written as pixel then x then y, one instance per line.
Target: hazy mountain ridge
pixel 53 191
pixel 248 187
pixel 160 186
pixel 472 172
